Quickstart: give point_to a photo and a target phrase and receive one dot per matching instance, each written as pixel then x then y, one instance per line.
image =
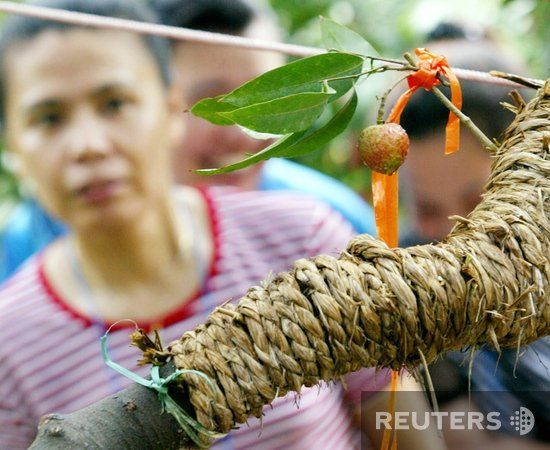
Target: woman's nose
pixel 88 139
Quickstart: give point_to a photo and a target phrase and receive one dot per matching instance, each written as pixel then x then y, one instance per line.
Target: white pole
pixel 206 37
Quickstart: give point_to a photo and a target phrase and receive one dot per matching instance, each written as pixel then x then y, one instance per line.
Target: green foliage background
pixel 391 26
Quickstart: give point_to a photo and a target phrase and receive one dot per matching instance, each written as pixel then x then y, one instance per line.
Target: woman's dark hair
pixel 220 16
pixel 446 30
pixel 21 28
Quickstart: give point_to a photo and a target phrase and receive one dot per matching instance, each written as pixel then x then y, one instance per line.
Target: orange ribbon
pixel 386 204
pixel 385 199
pixel 429 67
pixel 385 187
pixel 387 432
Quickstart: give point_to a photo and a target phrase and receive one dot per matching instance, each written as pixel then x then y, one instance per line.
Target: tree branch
pixel 488 282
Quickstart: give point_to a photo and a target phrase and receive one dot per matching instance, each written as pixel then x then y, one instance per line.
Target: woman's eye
pixel 113 105
pixel 50 119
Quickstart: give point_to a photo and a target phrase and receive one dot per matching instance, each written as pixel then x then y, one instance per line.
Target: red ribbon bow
pixel 429 67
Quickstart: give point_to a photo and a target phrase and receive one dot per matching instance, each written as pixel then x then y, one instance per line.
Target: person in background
pixel 93 132
pixel 438 185
pixel 441 186
pixel 202 71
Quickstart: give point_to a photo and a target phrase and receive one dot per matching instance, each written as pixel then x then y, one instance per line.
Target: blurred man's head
pixel 439 185
pixel 87 113
pixel 202 70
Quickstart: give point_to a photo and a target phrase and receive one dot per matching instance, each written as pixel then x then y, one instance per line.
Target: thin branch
pixel 390 60
pixel 529 82
pixel 356 75
pixel 382 107
pixel 468 123
pixel 378 69
pixel 397 62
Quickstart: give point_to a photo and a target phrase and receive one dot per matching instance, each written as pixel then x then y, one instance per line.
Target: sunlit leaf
pixel 301 76
pixel 338 37
pixel 282 115
pixel 259 136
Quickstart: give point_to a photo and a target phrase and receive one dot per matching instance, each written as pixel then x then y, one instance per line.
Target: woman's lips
pixel 99 191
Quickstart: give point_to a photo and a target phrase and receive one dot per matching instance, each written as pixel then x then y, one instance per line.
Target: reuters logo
pixel 523 421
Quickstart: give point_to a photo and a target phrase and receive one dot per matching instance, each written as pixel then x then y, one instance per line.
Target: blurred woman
pixel 91 120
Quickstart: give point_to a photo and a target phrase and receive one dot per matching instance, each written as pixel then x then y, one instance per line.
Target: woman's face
pixel 444 185
pixel 88 115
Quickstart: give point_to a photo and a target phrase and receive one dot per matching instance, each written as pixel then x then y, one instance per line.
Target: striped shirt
pixel 50 358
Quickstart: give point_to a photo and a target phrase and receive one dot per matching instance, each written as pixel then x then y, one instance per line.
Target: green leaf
pixel 209 109
pixel 283 115
pixel 325 134
pixel 301 76
pixel 268 152
pixel 338 37
pixel 297 143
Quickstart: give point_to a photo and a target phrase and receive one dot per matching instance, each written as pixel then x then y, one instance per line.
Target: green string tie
pixel 168 404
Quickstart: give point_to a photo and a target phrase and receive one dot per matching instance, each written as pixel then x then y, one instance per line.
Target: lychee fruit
pixel 384 147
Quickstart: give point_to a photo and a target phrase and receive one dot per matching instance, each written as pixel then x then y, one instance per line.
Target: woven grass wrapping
pixel 488 282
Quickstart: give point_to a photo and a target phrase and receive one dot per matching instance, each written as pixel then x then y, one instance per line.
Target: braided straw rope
pixel 488 282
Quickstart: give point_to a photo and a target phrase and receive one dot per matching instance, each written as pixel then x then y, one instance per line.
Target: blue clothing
pixel 29 228
pixel 509 381
pixel 27 231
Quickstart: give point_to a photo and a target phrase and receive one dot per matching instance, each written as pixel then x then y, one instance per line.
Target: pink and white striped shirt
pixel 50 359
